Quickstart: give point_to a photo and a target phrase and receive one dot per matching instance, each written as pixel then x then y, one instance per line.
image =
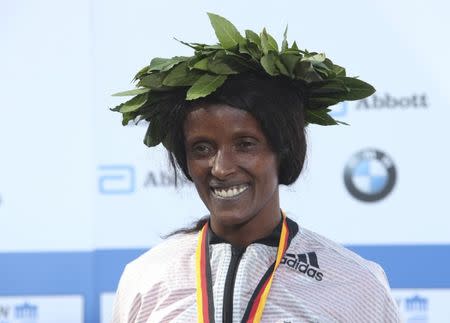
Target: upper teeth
pixel 230 191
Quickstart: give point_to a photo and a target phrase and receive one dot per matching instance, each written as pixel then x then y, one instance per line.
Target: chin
pixel 230 218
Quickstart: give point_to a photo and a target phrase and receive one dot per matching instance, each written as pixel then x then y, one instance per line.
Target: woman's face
pixel 232 165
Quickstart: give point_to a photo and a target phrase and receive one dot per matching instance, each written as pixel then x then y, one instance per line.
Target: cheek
pixel 272 170
pixel 272 176
pixel 192 171
pixel 197 171
pixel 191 166
pixel 267 172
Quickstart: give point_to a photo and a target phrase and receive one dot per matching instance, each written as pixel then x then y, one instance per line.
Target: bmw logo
pixel 370 175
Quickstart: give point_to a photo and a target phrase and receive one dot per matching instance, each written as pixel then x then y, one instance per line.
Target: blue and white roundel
pixel 370 175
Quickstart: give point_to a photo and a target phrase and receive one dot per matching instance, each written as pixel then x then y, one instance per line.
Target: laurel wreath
pixel 200 75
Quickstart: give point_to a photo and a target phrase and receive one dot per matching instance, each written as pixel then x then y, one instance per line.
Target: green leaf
pixel 253 37
pixel 127 117
pixel 328 70
pixel 133 104
pixel 284 44
pixel 213 47
pixel 265 42
pixel 323 71
pixel 141 72
pixel 221 63
pixel 291 51
pixel 194 60
pixel 357 89
pixel 243 48
pixel 320 117
pixel 305 71
pixel 196 47
pixel 328 88
pixel 315 58
pixel 341 122
pixel 222 67
pixel 165 64
pixel 268 63
pixel 226 63
pixel 201 47
pixel 330 92
pixel 254 51
pixel 268 43
pixel 153 133
pixel 153 81
pixel 181 75
pixel 290 61
pixel 227 34
pixel 280 66
pixel 205 85
pixel 272 43
pixel 323 102
pixel 201 64
pixel 338 70
pixel 131 92
pixel 327 93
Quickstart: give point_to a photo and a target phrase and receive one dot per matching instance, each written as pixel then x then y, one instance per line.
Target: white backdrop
pixel 76 187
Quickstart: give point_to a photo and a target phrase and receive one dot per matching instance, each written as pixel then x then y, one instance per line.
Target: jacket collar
pixel 271 240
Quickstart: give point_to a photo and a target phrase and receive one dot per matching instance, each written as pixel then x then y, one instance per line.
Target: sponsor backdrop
pixel 80 196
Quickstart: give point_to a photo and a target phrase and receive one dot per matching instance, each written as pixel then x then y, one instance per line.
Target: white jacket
pixel 317 281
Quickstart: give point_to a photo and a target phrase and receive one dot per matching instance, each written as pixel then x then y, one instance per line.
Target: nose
pixel 222 164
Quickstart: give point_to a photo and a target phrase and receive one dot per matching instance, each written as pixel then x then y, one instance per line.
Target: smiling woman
pixel 237 131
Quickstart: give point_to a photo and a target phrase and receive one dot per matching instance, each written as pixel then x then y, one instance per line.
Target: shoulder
pixel 171 250
pixel 340 262
pixel 341 274
pixel 156 271
pixel 173 253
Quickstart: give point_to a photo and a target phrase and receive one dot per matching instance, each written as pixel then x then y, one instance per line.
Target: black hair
pixel 276 102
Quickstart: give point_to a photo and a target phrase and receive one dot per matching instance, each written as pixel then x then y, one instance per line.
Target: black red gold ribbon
pixel 205 305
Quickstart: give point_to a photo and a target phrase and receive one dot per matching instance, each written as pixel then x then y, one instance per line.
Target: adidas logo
pixel 306 263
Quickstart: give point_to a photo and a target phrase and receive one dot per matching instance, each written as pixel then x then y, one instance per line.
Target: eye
pixel 202 149
pixel 246 144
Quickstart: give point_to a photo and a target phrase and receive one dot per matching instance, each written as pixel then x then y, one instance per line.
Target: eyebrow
pixel 196 137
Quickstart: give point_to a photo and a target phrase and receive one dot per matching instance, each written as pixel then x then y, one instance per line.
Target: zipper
pixel 227 311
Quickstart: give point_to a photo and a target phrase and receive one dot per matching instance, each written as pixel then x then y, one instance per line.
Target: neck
pixel 257 227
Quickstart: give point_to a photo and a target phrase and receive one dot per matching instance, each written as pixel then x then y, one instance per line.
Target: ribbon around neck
pixel 255 308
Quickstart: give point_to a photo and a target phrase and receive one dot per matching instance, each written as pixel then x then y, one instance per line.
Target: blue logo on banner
pixel 416 308
pixel 26 312
pixel 370 175
pixel 116 179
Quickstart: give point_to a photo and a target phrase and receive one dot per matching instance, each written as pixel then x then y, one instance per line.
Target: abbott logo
pixel 370 175
pixel 116 179
pixel 388 101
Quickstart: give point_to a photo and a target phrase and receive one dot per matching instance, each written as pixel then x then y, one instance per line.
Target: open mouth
pixel 230 192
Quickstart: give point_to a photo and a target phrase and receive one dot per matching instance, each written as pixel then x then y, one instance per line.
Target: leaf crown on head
pixel 200 75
